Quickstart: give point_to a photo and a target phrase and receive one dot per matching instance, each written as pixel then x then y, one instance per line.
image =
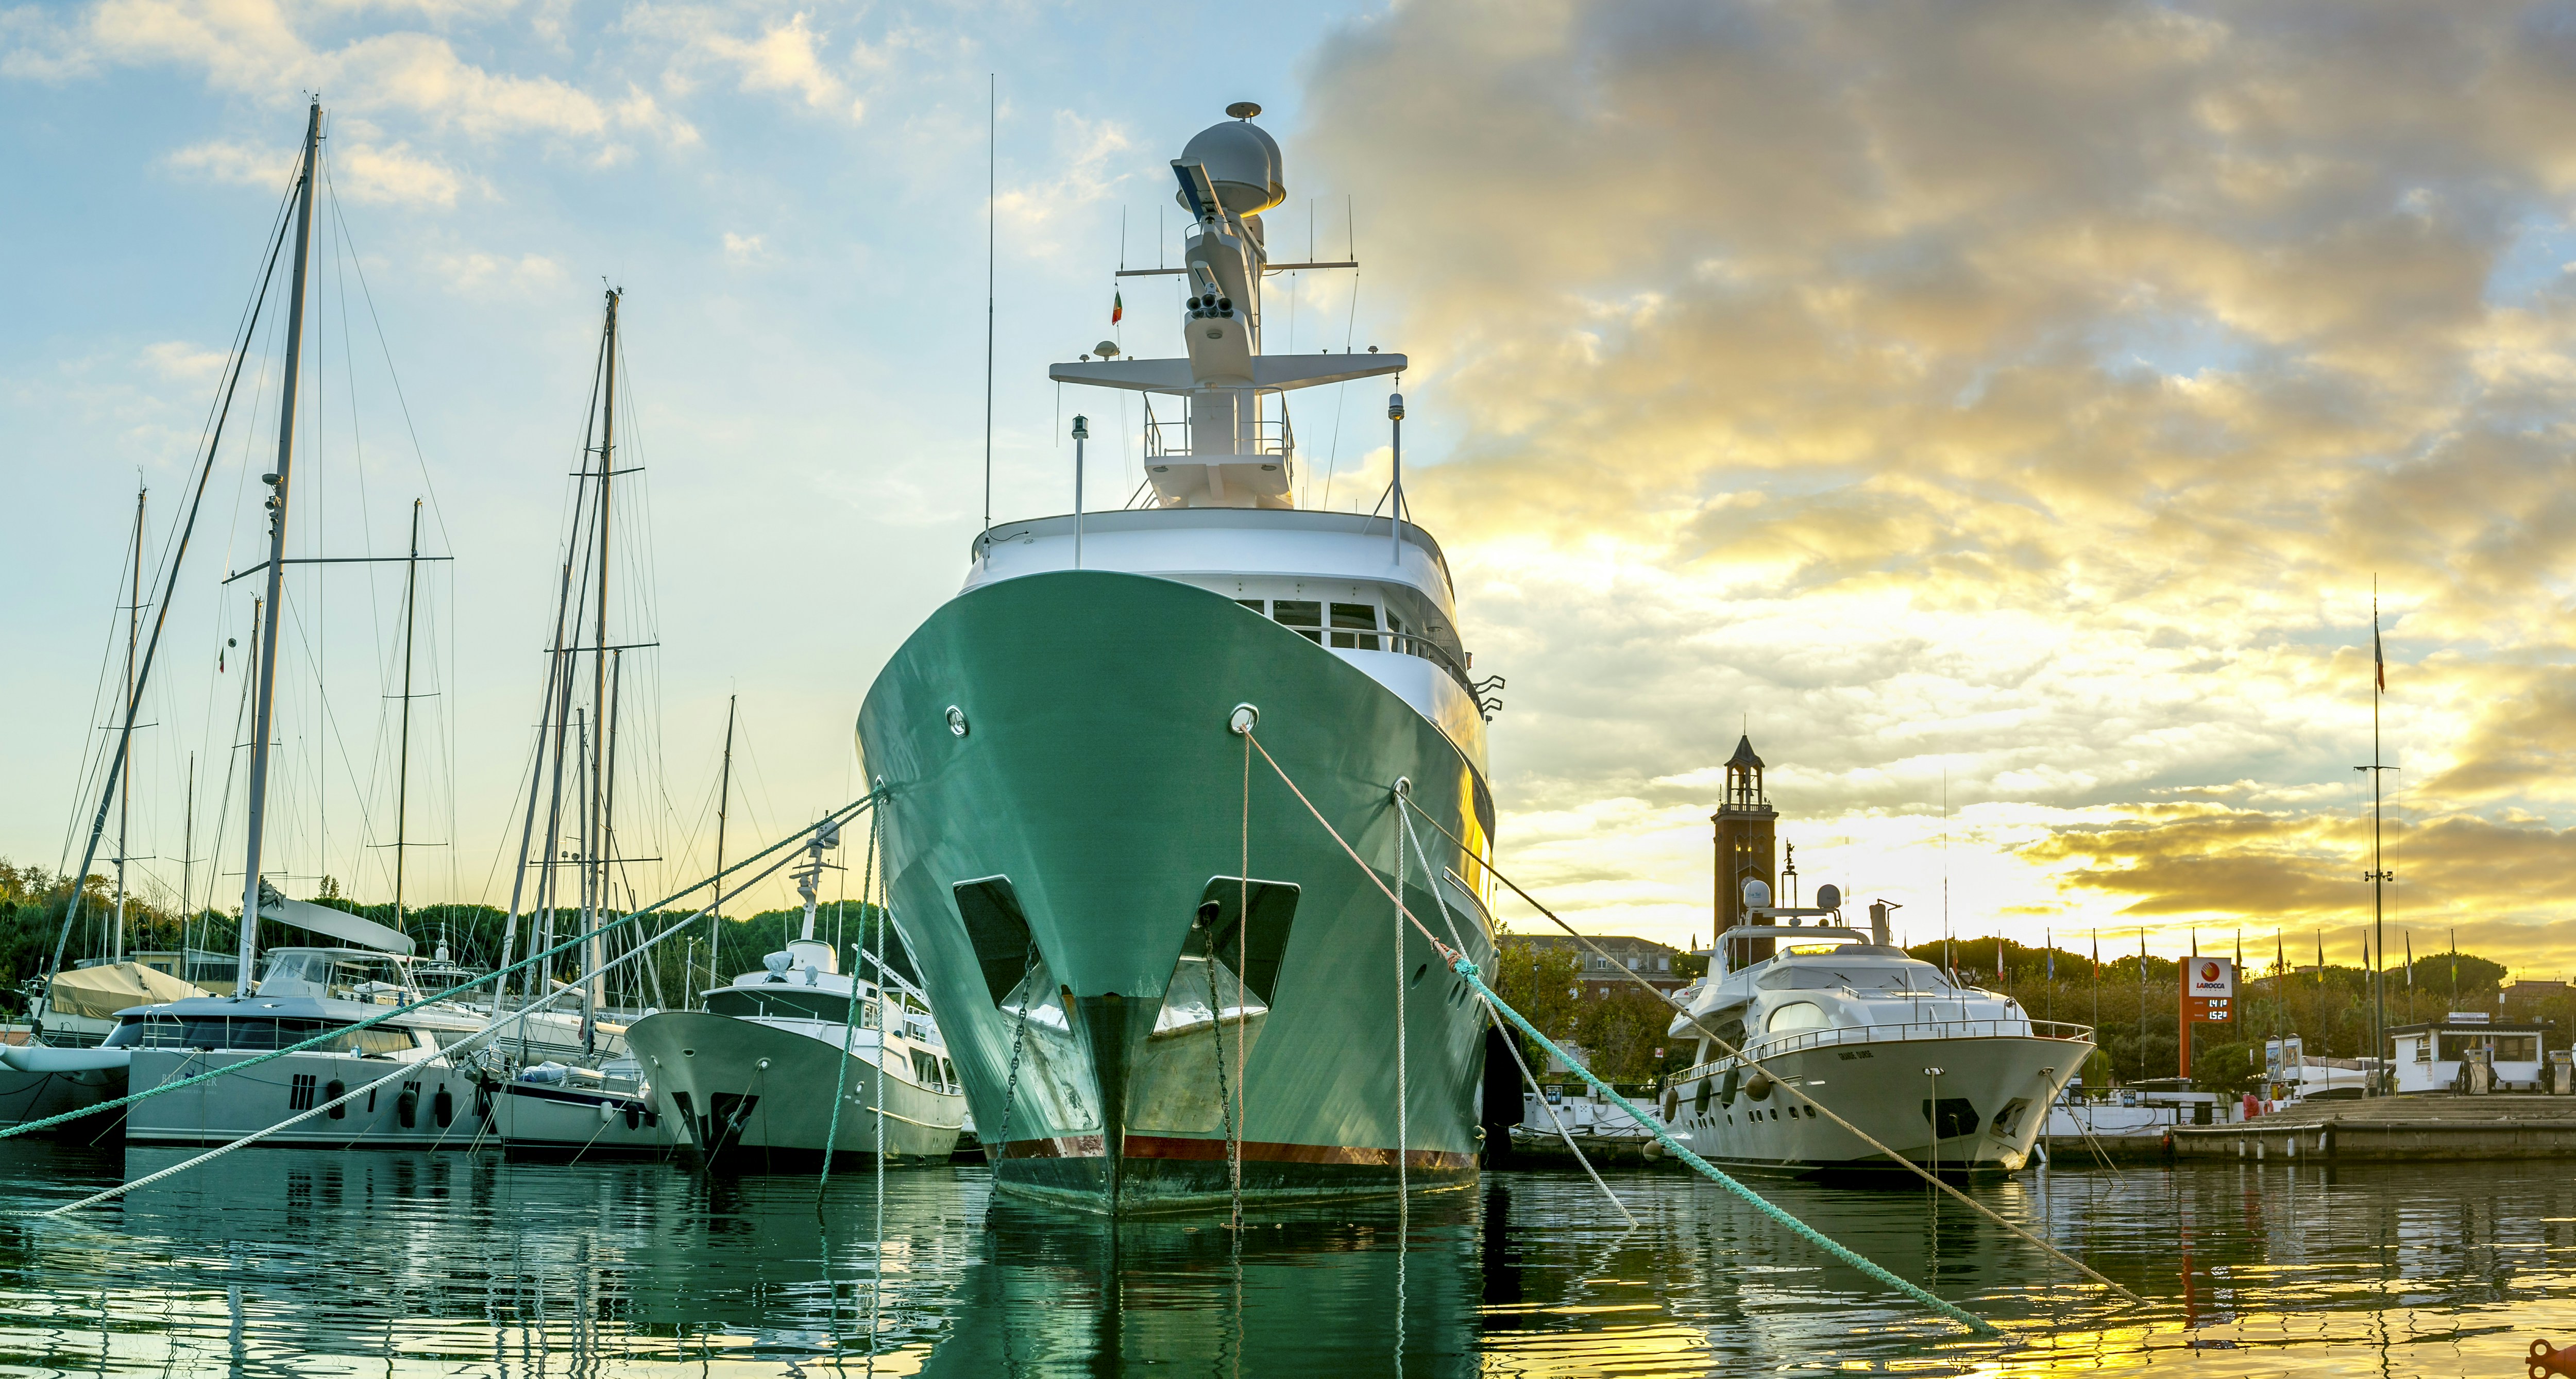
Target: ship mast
pixel 265 695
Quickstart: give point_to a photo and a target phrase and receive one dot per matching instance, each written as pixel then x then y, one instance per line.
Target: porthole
pixel 956 720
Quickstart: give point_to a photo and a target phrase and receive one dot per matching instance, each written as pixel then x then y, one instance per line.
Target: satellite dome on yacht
pixel 1241 159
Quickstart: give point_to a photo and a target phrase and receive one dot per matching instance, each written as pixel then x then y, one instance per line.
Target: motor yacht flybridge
pixel 1152 967
pixel 1956 1078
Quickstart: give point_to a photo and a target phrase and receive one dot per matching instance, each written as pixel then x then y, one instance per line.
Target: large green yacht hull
pixel 1068 820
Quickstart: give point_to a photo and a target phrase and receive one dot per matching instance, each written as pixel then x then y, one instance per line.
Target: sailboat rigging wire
pixel 842 815
pixel 161 617
pixel 1829 1113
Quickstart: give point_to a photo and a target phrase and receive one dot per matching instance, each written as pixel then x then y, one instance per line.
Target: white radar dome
pixel 1243 161
pixel 1756 894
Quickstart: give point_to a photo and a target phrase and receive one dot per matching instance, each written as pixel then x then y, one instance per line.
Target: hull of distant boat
pixel 41 1094
pixel 1097 774
pixel 1976 1115
pixel 749 1095
pixel 538 1119
pixel 430 1106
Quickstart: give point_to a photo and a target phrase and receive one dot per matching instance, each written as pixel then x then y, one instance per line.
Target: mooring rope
pixel 850 1026
pixel 1731 1051
pixel 1528 1079
pixel 1459 963
pixel 1949 1309
pixel 841 815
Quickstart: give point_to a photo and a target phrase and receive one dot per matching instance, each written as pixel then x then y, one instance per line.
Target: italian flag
pixel 1117 308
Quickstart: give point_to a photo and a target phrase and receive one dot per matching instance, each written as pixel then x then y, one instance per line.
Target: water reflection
pixel 466 1263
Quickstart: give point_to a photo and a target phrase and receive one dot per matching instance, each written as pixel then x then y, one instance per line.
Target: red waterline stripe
pixel 1180 1148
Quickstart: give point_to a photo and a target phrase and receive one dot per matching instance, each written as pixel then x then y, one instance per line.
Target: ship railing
pixel 1773 1046
pixel 1405 643
pixel 1269 437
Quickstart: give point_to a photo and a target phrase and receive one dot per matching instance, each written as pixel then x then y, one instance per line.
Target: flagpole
pixel 2379 875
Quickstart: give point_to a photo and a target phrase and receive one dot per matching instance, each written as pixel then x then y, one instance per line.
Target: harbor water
pixel 276 1261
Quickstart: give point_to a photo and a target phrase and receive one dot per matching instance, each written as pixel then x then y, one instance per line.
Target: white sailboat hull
pixel 431 1106
pixel 581 1121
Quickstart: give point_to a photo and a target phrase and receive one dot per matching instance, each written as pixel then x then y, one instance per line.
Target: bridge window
pixel 1302 614
pixel 1355 626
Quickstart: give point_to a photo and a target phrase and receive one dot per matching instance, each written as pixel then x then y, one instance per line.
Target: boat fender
pixel 606 1110
pixel 442 1108
pixel 1758 1086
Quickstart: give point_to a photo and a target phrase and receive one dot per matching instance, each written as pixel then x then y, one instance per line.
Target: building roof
pixel 1605 940
pixel 1744 753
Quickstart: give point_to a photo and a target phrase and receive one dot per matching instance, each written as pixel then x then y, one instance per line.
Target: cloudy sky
pixel 2005 405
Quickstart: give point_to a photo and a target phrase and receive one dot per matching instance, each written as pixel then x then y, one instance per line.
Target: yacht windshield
pixel 1823 977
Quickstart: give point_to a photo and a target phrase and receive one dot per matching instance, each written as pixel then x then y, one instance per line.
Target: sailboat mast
pixel 2378 867
pixel 724 801
pixel 187 865
pixel 607 810
pixel 402 774
pixel 266 693
pixel 536 784
pixel 596 797
pixel 125 784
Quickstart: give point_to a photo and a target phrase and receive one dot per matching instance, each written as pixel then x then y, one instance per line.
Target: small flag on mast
pixel 2378 659
pixel 2410 959
pixel 1118 311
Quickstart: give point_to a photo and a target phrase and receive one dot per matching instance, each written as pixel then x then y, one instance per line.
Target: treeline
pixel 33 905
pixel 2134 1005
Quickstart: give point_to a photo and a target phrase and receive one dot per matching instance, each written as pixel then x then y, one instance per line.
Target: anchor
pixel 2546 1362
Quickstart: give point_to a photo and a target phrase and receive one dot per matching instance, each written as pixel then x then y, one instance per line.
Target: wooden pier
pixel 2394 1129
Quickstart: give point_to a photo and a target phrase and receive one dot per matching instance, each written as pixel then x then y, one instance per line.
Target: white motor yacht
pixel 1956 1078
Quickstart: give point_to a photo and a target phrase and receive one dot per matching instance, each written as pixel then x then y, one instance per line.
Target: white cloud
pixel 182 362
pixel 784 58
pixel 476 274
pixel 744 248
pixel 34 48
pixel 258 49
pixel 381 174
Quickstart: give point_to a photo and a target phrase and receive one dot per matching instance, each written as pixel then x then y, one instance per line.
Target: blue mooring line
pixel 1953 1311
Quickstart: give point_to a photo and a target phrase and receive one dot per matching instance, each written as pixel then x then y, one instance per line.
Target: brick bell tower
pixel 1744 843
